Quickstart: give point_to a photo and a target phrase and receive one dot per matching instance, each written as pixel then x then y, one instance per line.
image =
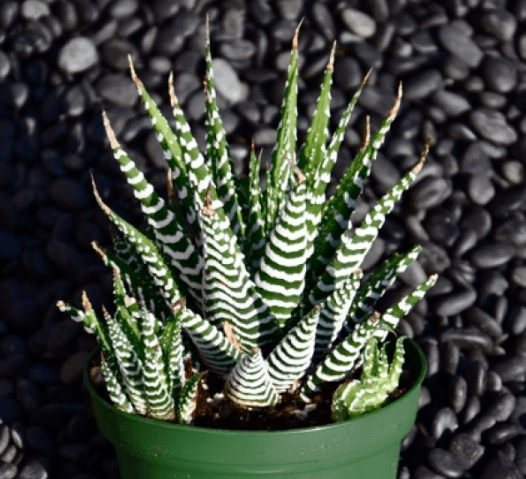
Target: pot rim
pixel 216 431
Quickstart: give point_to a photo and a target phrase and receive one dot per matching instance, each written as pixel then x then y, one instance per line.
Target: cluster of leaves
pixel 261 285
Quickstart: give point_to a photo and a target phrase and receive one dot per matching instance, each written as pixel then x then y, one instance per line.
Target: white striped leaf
pixel 229 293
pixel 347 354
pixel 249 383
pixel 115 390
pixel 289 360
pixel 354 246
pixel 281 276
pixel 156 385
pixel 218 152
pixel 378 381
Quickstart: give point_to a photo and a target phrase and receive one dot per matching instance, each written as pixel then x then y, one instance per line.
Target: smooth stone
pixel 433 257
pixel 498 466
pixel 117 88
pixel 477 219
pixel 492 125
pixel 513 171
pixel 467 451
pixel 502 433
pixel 445 463
pixel 500 74
pixel 477 378
pixel 511 368
pixel 475 160
pixel 471 410
pixel 454 302
pixel 8 471
pixel 499 23
pixel 491 255
pixel 78 55
pixel 71 370
pixel 228 83
pixel 358 22
pixel 429 192
pixel 501 407
pixel 36 469
pixel 457 393
pixel 444 423
pixel 459 44
pixel 323 19
pixel 452 103
pixel 422 84
pixel 515 320
pixel 483 321
pixel 518 276
pixel 467 338
pixel 480 189
pixel 507 201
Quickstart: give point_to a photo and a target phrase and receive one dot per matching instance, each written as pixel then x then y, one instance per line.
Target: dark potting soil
pixel 214 410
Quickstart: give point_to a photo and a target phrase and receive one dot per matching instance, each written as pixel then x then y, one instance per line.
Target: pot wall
pixel 364 448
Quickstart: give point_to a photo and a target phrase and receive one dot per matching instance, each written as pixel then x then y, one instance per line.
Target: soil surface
pixel 214 410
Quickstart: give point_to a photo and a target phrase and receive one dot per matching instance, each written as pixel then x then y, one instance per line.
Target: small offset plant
pixel 260 285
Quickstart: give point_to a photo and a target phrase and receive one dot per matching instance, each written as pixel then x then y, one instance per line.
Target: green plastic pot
pixel 363 448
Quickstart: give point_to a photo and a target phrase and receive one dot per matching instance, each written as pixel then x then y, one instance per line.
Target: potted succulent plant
pixel 245 341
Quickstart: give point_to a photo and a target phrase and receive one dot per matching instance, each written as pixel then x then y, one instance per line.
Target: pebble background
pixel 463 67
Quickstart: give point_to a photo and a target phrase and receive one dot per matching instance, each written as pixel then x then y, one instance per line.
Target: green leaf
pixel 281 276
pixel 285 148
pixel 249 384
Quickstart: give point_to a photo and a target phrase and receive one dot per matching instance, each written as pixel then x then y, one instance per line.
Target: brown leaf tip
pixel 366 133
pixel 109 131
pixel 392 113
pixel 296 35
pixel 174 102
pixel 423 157
pixel 207 209
pixel 98 198
pixel 98 248
pixel 178 306
pixel 231 337
pixel 60 305
pixel 85 302
pixel 330 65
pixel 300 177
pixel 134 76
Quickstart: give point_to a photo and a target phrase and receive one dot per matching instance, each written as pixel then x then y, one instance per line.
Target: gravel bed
pixel 463 67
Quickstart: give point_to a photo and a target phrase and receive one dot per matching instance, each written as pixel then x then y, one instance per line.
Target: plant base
pixel 364 448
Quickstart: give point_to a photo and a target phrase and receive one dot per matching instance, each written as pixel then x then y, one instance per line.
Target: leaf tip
pixel 231 337
pixel 296 35
pixel 366 133
pixel 114 144
pixel 98 198
pixel 174 102
pixel 134 76
pixel 392 113
pixel 330 65
pixel 60 305
pixel 423 157
pixel 98 248
pixel 85 302
pixel 300 177
pixel 207 209
pixel 178 306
